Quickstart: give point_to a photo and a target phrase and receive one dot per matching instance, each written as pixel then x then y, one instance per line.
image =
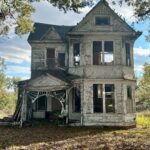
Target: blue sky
pixel 17 52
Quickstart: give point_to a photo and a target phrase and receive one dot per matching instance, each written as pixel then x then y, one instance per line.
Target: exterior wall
pixel 39 50
pixel 86 68
pixel 121 117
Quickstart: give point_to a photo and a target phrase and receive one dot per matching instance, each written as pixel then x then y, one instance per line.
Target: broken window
pixel 41 103
pixel 77 99
pixel 108 52
pixel 98 97
pixel 61 59
pixel 76 54
pixel 128 56
pixel 129 92
pixel 102 20
pixel 97 52
pixel 50 57
pixel 109 98
pixel 103 52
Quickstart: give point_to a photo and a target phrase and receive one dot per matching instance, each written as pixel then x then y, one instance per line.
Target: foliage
pixel 143 119
pixel 143 90
pixel 17 13
pixel 8 92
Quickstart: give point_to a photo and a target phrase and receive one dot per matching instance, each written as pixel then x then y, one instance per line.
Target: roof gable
pixel 43 30
pixel 102 9
pixel 46 81
pixel 51 34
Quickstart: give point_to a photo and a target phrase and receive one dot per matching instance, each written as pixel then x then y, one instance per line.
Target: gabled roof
pixel 58 73
pixel 41 29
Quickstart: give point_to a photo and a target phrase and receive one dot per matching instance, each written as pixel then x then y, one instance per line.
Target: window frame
pixel 103 52
pixel 102 17
pixel 128 55
pixel 76 63
pixel 104 109
pixel 129 92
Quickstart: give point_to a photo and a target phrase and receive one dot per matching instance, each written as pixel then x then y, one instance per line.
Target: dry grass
pixel 3 114
pixel 43 136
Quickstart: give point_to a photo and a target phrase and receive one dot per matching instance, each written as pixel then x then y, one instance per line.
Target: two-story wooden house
pixel 85 72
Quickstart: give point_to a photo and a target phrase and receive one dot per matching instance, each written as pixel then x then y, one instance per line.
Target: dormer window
pixel 102 20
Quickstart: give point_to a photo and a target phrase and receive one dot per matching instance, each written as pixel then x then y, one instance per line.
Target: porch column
pixel 24 108
pixel 67 106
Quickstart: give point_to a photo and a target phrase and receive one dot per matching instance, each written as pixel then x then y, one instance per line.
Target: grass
pixel 43 136
pixel 3 114
pixel 143 119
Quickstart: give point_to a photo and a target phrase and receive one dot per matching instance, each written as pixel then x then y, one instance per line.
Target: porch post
pixel 67 106
pixel 23 116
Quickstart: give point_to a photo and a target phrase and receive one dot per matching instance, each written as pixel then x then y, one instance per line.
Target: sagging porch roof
pixel 49 80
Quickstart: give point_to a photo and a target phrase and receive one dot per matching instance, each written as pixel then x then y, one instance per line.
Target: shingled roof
pixel 41 29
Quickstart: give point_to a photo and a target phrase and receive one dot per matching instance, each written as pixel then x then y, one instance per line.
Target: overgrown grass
pixel 3 114
pixel 143 119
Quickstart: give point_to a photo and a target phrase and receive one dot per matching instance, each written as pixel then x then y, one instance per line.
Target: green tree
pixel 8 92
pixel 18 12
pixel 143 90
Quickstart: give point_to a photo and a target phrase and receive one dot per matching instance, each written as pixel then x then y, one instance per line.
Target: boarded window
pixel 61 59
pixel 109 98
pixel 102 21
pixel 98 98
pixel 108 52
pixel 77 99
pixel 129 92
pixel 41 103
pixel 128 56
pixel 97 52
pixel 76 54
pixel 50 57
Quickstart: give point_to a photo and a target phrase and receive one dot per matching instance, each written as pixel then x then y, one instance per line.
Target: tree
pixel 143 90
pixel 8 92
pixel 18 12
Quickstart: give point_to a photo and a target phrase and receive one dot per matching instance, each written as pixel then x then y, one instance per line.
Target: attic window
pixel 102 21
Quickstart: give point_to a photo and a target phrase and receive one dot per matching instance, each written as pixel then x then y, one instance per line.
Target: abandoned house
pixel 85 73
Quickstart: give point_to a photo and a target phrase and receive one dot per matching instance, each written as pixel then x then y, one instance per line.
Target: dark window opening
pixel 98 98
pixel 128 56
pixel 109 98
pixel 61 59
pixel 50 57
pixel 41 103
pixel 108 52
pixel 129 92
pixel 102 21
pixel 77 99
pixel 97 52
pixel 76 54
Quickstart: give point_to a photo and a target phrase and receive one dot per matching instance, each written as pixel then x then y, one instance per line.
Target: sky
pixel 17 52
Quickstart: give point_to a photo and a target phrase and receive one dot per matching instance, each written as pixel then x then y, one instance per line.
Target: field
pixel 43 136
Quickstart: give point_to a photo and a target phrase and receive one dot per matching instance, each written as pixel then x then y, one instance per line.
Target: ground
pixel 43 136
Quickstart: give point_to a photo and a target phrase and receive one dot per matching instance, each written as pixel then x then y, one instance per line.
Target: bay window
pixel 103 98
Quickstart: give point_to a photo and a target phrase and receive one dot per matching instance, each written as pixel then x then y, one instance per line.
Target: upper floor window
pixel 129 92
pixel 103 52
pixel 50 57
pixel 102 20
pixel 76 54
pixel 61 59
pixel 128 55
